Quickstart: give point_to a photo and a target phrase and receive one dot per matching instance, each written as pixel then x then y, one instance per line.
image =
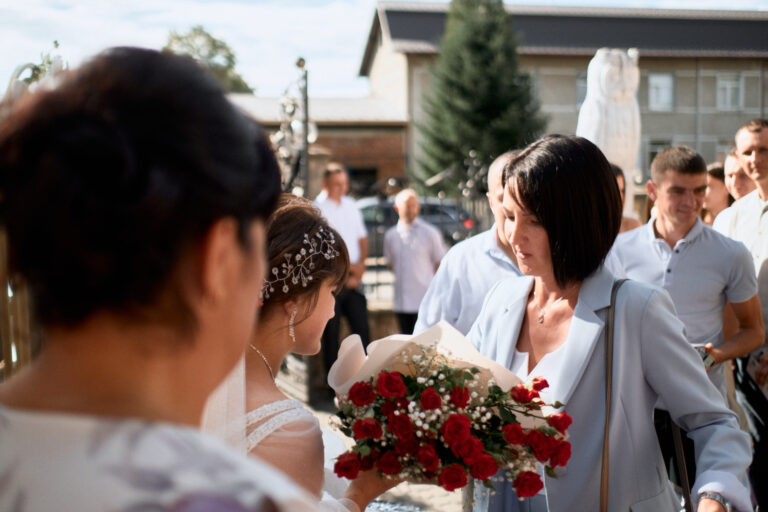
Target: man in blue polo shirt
pixel 471 267
pixel 699 268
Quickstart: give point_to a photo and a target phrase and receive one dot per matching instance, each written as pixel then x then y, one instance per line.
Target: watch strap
pixel 717 497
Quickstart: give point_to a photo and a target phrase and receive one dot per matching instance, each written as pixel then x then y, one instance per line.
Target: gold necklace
pixel 269 366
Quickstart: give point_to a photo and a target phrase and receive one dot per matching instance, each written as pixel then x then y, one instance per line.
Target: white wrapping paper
pixel 352 365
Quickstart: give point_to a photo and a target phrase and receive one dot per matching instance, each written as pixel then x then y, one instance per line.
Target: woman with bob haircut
pixel 562 213
pixel 134 197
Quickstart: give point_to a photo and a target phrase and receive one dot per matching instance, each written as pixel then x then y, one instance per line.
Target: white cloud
pixel 266 35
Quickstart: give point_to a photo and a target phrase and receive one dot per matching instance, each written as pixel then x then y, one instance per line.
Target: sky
pixel 267 36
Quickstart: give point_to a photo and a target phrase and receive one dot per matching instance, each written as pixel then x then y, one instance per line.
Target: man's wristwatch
pixel 718 498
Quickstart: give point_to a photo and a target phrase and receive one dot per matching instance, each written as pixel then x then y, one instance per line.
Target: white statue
pixel 610 116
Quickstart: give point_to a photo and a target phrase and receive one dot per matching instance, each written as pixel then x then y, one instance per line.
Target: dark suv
pixel 379 214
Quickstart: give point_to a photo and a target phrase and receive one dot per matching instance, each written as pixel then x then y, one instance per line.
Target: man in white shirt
pixel 738 185
pixel 413 250
pixel 342 213
pixel 749 224
pixel 471 267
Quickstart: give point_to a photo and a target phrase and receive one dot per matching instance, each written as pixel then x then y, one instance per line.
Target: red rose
pixel 561 454
pixel 527 484
pixel 455 429
pixel 539 383
pixel 459 397
pixel 427 457
pixel 452 477
pixel 560 421
pixel 361 393
pixel 367 462
pixel 347 466
pixel 522 394
pixel 513 433
pixel 388 407
pixel 543 446
pixel 389 464
pixel 367 428
pixel 401 426
pixel 468 449
pixel 390 385
pixel 430 399
pixel 484 467
pixel 406 446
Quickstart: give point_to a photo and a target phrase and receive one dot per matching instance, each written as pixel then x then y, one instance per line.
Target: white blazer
pixel 651 360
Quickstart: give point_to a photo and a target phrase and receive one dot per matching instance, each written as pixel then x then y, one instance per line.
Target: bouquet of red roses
pixel 427 415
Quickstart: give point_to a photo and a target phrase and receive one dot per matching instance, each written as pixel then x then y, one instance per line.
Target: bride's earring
pixel 291 332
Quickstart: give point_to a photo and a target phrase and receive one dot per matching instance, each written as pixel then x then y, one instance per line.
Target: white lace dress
pixel 288 436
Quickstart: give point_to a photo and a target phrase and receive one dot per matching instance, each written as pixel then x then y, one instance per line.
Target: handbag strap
pixel 608 380
pixel 682 469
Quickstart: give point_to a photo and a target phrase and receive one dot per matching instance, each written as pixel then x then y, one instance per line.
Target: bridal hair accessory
pixel 291 332
pixel 266 363
pixel 297 268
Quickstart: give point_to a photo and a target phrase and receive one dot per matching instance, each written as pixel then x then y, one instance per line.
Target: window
pixel 729 92
pixel 362 180
pixel 654 148
pixel 581 88
pixel 722 149
pixel 661 92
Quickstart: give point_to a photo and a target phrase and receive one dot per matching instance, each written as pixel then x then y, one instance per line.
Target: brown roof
pixel 413 27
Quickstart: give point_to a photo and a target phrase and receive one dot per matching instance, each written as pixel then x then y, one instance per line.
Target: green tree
pixel 214 54
pixel 38 71
pixel 480 100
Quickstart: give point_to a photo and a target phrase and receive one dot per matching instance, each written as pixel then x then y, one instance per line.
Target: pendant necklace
pixel 542 311
pixel 269 366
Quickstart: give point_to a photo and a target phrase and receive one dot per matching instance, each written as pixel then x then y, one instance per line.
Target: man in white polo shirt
pixel 700 268
pixel 342 213
pixel 413 250
pixel 749 224
pixel 471 267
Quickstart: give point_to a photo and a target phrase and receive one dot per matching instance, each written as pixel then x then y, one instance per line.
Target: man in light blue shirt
pixel 700 268
pixel 470 268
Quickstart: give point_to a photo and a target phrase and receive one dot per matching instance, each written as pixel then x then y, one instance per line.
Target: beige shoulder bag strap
pixel 608 380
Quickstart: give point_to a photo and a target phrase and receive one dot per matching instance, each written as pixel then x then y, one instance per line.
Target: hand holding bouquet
pixel 430 409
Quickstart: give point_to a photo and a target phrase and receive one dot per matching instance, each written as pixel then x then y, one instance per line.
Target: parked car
pixel 454 222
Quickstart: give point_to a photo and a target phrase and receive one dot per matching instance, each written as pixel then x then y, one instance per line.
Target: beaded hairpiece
pixel 297 268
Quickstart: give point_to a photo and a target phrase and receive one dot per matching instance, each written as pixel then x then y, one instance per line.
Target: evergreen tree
pixel 212 53
pixel 480 100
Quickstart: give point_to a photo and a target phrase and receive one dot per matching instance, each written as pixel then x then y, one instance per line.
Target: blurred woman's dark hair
pixel 296 225
pixel 567 183
pixel 110 177
pixel 717 171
